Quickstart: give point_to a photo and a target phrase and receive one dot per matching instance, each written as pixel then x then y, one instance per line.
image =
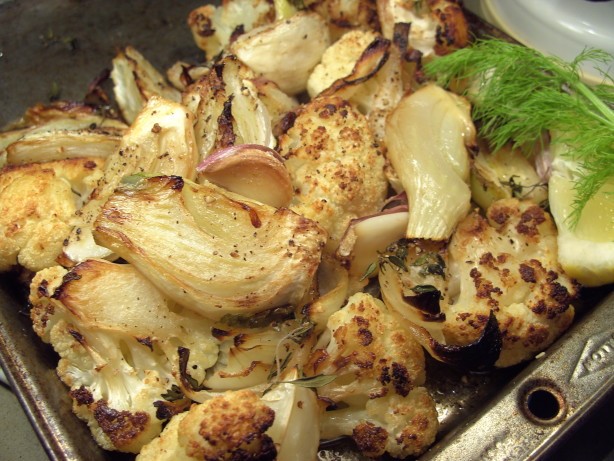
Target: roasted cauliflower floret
pixel 437 26
pixel 508 263
pixel 229 427
pixel 335 165
pixel 37 203
pixel 504 263
pixel 379 370
pixel 119 342
pixel 212 251
pixel 344 15
pixel 401 426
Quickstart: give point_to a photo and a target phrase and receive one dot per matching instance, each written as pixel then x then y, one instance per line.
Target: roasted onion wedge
pixel 228 109
pixel 209 250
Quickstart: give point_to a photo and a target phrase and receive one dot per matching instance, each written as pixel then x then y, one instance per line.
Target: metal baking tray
pixel 554 407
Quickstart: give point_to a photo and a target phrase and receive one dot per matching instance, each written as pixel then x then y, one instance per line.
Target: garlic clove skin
pixel 251 170
pixel 367 236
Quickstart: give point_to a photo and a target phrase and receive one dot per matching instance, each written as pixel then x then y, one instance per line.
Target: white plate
pixel 563 28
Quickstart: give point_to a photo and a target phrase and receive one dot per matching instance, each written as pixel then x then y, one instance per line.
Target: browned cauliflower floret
pixel 504 263
pixel 508 263
pixel 121 347
pixel 376 396
pixel 344 15
pixel 437 26
pixel 335 165
pixel 229 427
pixel 37 202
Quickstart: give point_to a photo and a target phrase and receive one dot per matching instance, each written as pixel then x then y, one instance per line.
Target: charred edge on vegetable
pixel 165 410
pixel 480 355
pixel 122 427
pixel 82 396
pixel 260 319
pixel 186 380
pixel 226 135
pixel 69 277
pixel 147 342
pixel 205 26
pixel 400 36
pixel 236 33
pixel 174 402
pixel 426 300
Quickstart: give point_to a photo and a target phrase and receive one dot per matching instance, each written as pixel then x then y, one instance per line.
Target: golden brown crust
pixel 335 165
pixel 229 427
pixel 510 258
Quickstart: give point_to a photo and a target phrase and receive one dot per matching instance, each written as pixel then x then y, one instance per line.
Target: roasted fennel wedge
pixel 212 251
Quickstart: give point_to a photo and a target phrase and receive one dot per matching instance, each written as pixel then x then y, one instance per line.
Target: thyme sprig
pixel 522 93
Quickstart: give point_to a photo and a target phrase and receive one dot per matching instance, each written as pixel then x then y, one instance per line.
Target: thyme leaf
pixel 173 394
pixel 313 381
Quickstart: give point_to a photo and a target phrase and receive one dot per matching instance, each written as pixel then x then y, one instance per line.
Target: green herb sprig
pixel 521 93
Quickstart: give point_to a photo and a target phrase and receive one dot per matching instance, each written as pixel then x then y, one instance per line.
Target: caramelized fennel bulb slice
pixel 285 51
pixel 209 250
pixel 135 81
pixel 428 135
pixel 161 139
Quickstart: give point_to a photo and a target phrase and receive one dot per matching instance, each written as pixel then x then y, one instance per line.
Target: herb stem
pixel 601 106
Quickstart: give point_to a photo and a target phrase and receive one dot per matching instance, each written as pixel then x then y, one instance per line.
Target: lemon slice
pixel 586 251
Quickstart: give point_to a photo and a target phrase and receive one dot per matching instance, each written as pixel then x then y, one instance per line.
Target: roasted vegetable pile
pixel 251 254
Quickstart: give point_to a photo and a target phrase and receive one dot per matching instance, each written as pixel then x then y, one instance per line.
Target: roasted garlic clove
pixel 253 171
